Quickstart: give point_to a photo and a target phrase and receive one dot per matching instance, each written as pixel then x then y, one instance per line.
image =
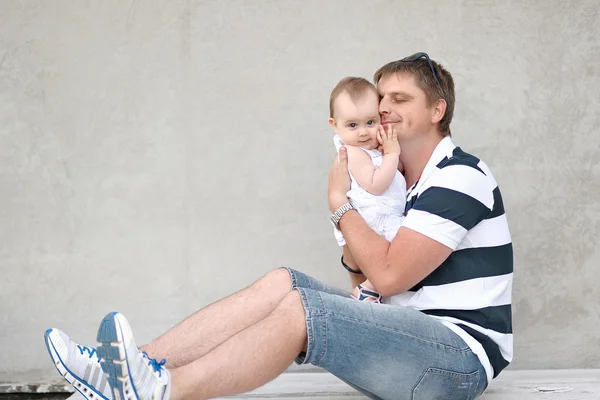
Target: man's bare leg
pixel 248 359
pixel 217 322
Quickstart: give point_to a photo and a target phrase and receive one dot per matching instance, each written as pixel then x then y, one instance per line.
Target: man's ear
pixel 439 110
pixel 333 124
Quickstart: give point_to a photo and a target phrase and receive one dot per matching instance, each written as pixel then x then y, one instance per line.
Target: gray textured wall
pixel 156 156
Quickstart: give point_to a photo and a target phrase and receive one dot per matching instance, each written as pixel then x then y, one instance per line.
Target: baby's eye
pixel 370 123
pixel 352 125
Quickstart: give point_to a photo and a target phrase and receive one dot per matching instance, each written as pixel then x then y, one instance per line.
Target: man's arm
pixel 397 266
pixel 392 267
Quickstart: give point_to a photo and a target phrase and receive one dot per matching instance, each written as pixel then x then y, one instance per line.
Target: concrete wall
pixel 156 156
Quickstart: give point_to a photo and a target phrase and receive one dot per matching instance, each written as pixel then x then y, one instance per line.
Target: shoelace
pixel 157 366
pixel 91 351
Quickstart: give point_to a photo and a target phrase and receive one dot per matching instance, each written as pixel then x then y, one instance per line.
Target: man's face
pixel 357 122
pixel 404 105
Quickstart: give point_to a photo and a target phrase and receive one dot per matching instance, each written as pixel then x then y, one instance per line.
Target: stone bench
pixel 510 385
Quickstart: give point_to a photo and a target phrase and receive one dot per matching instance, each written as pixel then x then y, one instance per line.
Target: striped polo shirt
pixel 456 202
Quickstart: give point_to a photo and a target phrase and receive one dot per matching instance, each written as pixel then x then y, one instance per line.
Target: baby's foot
pixel 362 293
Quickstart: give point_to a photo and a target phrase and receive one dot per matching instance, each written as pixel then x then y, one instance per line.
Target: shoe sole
pixel 87 391
pixel 111 350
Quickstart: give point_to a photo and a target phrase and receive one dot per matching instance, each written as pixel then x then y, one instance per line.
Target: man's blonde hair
pixel 425 79
pixel 356 88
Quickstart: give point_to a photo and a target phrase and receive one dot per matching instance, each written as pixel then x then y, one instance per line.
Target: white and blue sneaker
pixel 132 374
pixel 79 365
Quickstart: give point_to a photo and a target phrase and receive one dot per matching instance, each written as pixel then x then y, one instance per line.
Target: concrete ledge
pixel 511 385
pixel 39 387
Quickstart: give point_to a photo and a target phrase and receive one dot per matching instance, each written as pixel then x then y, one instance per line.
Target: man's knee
pixel 276 279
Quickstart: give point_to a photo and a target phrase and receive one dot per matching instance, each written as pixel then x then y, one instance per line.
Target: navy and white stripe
pixel 457 202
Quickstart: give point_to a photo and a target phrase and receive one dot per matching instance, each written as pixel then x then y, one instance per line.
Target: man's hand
pixel 339 180
pixel 388 139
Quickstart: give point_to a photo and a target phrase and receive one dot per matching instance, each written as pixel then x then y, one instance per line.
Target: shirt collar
pixel 443 149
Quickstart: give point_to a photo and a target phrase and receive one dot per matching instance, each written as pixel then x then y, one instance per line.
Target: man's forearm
pixel 369 250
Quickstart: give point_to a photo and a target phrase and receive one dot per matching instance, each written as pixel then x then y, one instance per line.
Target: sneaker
pixel 132 374
pixel 79 365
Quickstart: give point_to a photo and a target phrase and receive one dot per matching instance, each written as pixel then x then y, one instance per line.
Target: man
pixel 446 278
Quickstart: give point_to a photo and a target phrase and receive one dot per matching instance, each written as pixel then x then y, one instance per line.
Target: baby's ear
pixel 333 124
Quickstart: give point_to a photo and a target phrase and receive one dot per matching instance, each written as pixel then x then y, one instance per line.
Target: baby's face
pixel 357 122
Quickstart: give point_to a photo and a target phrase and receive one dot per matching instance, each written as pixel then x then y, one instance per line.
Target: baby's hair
pixel 356 88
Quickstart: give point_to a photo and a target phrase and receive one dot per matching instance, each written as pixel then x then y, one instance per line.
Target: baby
pixel 377 189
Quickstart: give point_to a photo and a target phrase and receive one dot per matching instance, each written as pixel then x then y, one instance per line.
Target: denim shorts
pixel 384 351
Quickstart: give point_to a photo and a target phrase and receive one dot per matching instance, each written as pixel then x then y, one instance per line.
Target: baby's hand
pixel 388 139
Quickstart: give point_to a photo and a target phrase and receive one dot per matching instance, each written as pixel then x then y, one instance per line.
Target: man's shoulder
pixel 463 166
pixel 459 157
pixel 461 181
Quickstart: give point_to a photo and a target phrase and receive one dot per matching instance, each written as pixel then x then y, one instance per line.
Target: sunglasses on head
pixel 418 56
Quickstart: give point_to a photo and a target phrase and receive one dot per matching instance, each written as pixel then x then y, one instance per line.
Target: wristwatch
pixel 337 215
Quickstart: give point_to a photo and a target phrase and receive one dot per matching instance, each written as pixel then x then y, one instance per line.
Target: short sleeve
pixel 454 200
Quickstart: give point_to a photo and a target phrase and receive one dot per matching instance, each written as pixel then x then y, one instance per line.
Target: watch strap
pixel 337 215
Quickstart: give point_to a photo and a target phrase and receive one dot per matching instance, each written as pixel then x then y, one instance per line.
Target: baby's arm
pixel 373 180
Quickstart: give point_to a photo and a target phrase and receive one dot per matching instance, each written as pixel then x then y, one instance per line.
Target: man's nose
pixel 384 107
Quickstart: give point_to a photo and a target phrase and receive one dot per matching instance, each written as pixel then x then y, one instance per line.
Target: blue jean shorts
pixel 384 351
